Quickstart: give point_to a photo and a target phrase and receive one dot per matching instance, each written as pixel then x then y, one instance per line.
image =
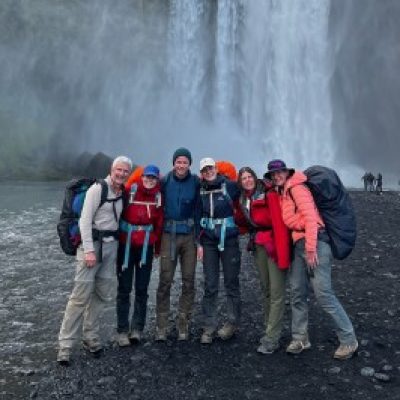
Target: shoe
pixel 123 339
pixel 161 335
pixel 207 336
pixel 296 346
pixel 135 336
pixel 182 326
pixel 267 346
pixel 92 345
pixel 346 351
pixel 63 356
pixel 227 331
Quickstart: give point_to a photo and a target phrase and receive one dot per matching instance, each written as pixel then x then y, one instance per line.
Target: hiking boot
pixel 161 335
pixel 182 326
pixel 135 336
pixel 123 339
pixel 346 351
pixel 227 331
pixel 64 356
pixel 93 346
pixel 296 346
pixel 267 346
pixel 207 336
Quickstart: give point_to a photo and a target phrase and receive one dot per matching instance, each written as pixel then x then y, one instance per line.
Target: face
pixel 209 173
pixel 247 181
pixel 279 178
pixel 120 173
pixel 149 182
pixel 181 166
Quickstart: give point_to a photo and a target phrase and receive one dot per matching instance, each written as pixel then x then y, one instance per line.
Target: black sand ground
pixel 367 283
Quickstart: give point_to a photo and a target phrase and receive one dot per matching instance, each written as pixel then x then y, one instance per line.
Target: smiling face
pixel 279 178
pixel 119 174
pixel 247 181
pixel 209 173
pixel 181 166
pixel 149 181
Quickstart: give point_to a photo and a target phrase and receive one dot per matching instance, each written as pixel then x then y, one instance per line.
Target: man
pixel 96 258
pixel 180 191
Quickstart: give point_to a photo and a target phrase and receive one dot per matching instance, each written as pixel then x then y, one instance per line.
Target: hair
pixel 122 160
pixel 242 171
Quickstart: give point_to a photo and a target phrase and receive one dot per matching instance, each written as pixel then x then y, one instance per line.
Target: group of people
pixel 372 183
pixel 185 218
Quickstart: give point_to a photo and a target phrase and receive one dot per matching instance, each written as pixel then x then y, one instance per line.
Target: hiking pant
pixel 230 260
pixel 186 252
pixel 141 274
pixel 92 291
pixel 321 282
pixel 273 283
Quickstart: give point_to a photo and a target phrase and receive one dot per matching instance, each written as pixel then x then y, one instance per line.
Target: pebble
pixel 106 380
pixel 334 370
pixel 364 342
pixel 364 353
pixel 367 371
pixel 387 367
pixel 382 377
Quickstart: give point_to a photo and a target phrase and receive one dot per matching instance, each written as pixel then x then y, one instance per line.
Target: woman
pixel 312 261
pixel 218 242
pixel 141 227
pixel 270 240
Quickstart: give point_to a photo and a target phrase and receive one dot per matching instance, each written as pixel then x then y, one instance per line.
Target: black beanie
pixel 182 152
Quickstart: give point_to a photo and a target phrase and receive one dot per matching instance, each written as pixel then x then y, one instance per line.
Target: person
pixel 379 182
pixel 371 180
pixel 140 237
pixel 365 179
pixel 96 259
pixel 180 189
pixel 312 261
pixel 218 243
pixel 260 214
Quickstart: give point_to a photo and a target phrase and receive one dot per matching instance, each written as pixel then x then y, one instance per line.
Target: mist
pixel 309 81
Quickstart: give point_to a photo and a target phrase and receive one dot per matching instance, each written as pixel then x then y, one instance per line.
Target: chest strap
pixel 128 229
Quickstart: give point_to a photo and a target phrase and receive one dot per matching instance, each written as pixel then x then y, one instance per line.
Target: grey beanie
pixel 182 152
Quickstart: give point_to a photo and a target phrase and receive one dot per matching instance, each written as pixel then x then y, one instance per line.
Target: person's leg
pixel 326 297
pixel 167 271
pixel 125 278
pixel 230 258
pixel 142 280
pixel 104 283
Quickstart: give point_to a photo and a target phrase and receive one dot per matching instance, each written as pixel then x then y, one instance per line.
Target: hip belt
pixel 212 223
pixel 172 224
pixel 98 235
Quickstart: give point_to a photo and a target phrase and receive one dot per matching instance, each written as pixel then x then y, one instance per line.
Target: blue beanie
pixel 182 152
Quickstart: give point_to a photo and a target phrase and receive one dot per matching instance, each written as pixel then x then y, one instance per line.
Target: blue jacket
pixel 223 205
pixel 181 202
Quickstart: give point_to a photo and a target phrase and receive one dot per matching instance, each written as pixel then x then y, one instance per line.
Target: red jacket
pixel 144 214
pixel 265 211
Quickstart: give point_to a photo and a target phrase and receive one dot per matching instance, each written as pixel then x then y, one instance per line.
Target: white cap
pixel 207 162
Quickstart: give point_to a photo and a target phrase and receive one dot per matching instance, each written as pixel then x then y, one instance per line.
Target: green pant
pixel 273 282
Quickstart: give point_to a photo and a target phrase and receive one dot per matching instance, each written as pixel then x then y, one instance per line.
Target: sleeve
pixel 240 219
pixel 90 206
pixel 197 213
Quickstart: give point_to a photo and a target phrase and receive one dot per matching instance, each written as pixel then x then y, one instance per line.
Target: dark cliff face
pixel 366 81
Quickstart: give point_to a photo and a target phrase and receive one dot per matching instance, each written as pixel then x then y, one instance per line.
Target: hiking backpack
pixel 68 225
pixel 335 207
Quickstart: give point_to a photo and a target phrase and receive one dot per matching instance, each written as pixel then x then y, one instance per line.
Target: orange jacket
pixel 299 211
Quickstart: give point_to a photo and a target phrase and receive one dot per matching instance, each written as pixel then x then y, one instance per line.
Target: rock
pixel 364 342
pixel 387 368
pixel 364 353
pixel 382 377
pixel 367 371
pixel 99 166
pixel 106 380
pixel 334 370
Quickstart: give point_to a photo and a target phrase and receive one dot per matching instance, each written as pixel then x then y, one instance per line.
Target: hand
pixel 90 259
pixel 312 259
pixel 200 253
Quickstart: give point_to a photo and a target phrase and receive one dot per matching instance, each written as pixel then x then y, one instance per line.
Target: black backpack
pixel 335 207
pixel 68 227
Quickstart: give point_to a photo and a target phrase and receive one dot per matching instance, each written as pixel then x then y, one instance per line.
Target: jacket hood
pixel 297 178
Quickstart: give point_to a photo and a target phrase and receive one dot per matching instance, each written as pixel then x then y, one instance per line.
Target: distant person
pixel 365 179
pixel 180 189
pixel 379 183
pixel 140 238
pixel 219 244
pixel 312 262
pixel 260 213
pixel 96 258
pixel 371 180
